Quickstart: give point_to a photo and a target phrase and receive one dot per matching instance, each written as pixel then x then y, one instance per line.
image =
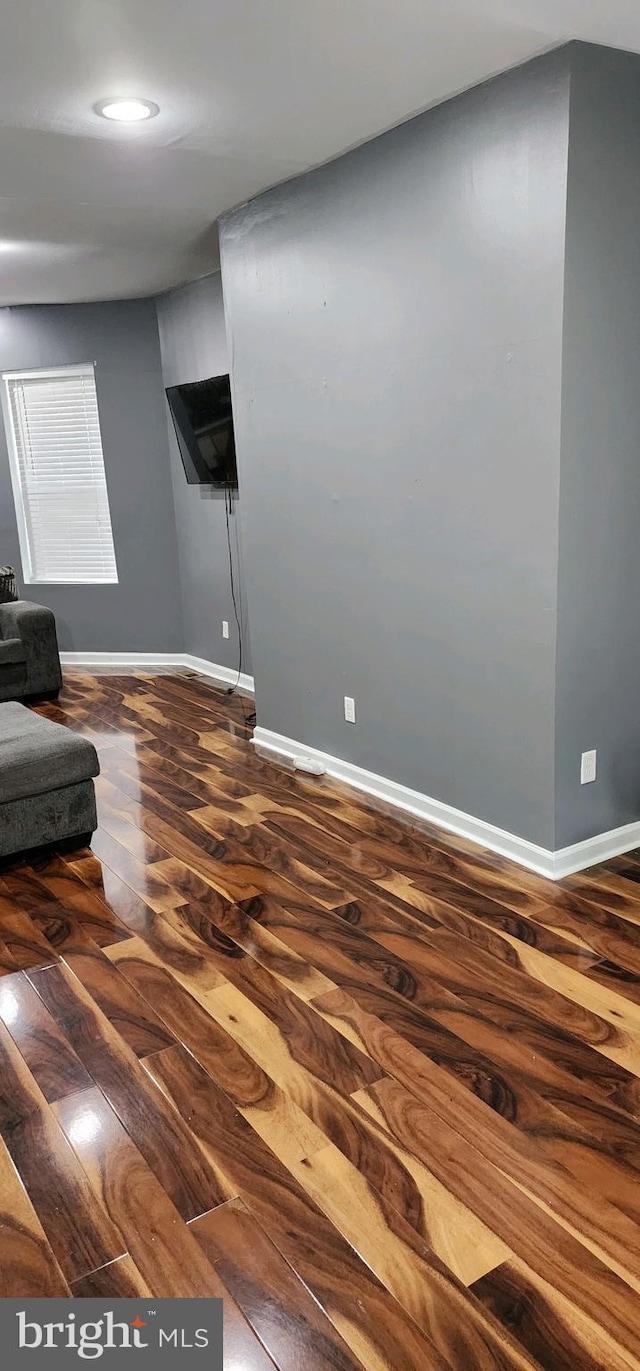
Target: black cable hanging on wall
pixel 249 718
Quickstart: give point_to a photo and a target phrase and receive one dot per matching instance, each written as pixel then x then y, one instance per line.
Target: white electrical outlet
pixel 588 767
pixel 349 709
pixel 225 628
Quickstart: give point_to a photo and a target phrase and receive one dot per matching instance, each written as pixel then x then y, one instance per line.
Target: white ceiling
pixel 250 92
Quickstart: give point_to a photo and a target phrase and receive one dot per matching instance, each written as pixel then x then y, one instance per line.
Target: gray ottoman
pixel 46 787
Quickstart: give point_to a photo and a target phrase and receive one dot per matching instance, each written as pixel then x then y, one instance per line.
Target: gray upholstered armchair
pixel 29 660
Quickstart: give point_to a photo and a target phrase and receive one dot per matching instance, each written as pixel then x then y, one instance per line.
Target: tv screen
pixel 203 421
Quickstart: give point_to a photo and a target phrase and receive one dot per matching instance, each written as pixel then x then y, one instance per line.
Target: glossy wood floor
pixel 377 1088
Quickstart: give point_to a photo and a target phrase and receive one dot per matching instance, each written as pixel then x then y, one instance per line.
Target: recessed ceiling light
pixel 127 111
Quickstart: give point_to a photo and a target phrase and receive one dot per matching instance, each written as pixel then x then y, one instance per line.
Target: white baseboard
pixel 597 849
pixel 146 661
pixel 226 674
pixel 138 659
pixel 554 865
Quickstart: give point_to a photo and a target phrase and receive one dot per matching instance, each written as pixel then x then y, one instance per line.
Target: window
pixel 57 473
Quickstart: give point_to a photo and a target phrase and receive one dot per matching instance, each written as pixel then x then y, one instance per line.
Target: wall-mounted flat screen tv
pixel 203 421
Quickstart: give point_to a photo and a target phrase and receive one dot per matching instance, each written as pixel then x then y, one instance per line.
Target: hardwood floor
pixel 377 1088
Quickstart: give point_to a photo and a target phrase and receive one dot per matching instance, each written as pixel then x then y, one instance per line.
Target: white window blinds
pixel 57 471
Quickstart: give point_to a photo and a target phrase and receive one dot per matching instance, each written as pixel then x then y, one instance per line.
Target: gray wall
pixel 194 346
pixel 598 659
pixel 142 612
pixel 395 320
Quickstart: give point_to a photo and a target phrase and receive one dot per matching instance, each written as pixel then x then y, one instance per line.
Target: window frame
pixel 41 373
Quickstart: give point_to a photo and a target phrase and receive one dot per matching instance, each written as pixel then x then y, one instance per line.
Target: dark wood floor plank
pixel 23 945
pixel 122 824
pixel 237 764
pixel 626 864
pixel 274 1300
pixel 197 715
pixel 166 779
pixel 162 1246
pixel 7 964
pixel 79 1232
pixel 236 879
pixel 490 926
pixel 227 789
pixel 623 983
pixel 253 843
pixel 479 863
pixel 324 1054
pixel 235 1070
pixel 50 891
pixel 314 1248
pixel 131 1016
pixel 608 933
pixel 404 1263
pixel 60 883
pixel 191 885
pixel 547 1325
pixel 201 779
pixel 493 990
pixel 63 933
pixel 494 1180
pixel 449 1229
pixel 192 714
pixel 450 877
pixel 210 922
pixel 122 1279
pixel 121 901
pixel 570 1038
pixel 146 882
pixel 154 721
pixel 119 1280
pixel 157 1131
pixel 106 717
pixel 229 863
pixel 591 1142
pixel 168 935
pixel 608 890
pixel 28 1267
pixel 441 891
pixel 532 1142
pixel 622 1013
pixel 569 1109
pixel 197 852
pixel 144 784
pixel 126 820
pixel 49 1057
